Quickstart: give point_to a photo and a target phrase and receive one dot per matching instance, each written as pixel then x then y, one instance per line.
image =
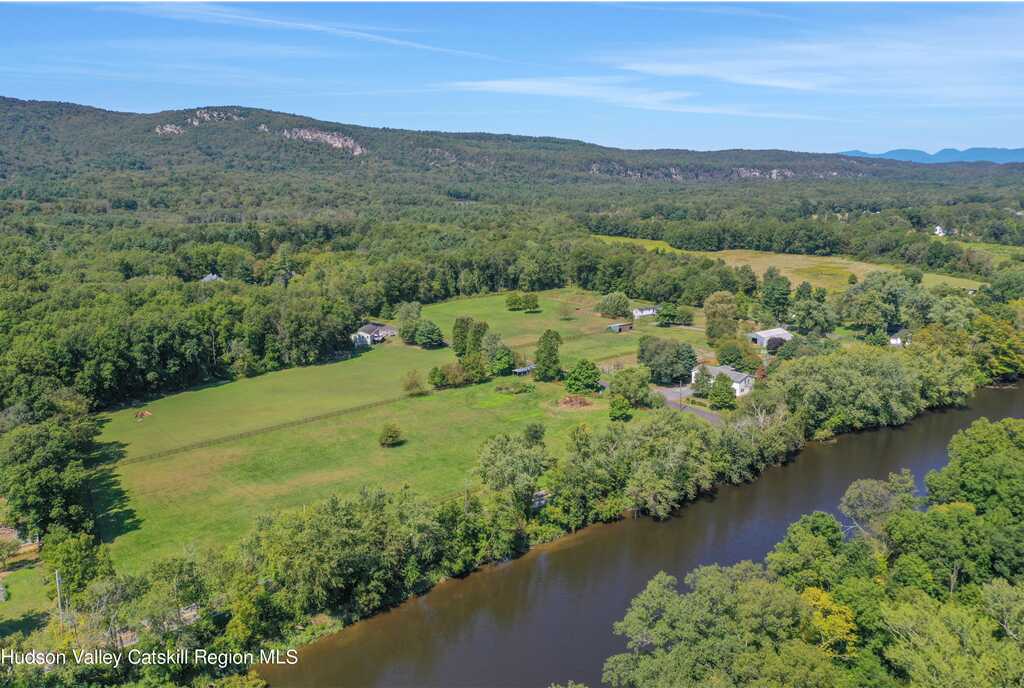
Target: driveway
pixel 676 398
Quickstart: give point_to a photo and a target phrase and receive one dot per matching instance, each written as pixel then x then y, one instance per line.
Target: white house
pixel 901 338
pixel 939 231
pixel 644 312
pixel 742 382
pixel 762 337
pixel 210 277
pixel 373 333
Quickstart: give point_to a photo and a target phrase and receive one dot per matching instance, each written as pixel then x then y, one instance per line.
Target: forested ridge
pixel 142 254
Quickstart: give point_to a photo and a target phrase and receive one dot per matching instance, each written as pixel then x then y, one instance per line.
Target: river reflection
pixel 547 617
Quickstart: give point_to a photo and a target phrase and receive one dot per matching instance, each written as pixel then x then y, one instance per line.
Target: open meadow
pixel 207 462
pixel 830 272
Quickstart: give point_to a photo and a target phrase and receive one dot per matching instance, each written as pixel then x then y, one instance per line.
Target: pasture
pixel 830 272
pixel 207 462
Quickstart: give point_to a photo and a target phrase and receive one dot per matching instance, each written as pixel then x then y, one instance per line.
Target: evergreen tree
pixel 460 334
pixel 702 383
pixel 722 395
pixel 428 335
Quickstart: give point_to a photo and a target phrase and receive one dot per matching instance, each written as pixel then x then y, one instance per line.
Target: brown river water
pixel 547 616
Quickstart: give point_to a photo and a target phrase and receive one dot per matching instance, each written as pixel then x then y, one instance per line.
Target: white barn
pixel 762 337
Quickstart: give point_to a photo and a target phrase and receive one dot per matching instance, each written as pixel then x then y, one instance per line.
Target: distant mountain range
pixel 999 155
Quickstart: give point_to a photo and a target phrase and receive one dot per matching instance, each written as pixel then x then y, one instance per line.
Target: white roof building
pixel 762 337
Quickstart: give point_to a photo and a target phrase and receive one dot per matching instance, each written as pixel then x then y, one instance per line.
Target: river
pixel 547 616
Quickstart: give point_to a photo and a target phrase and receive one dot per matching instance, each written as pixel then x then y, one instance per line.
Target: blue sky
pixel 701 76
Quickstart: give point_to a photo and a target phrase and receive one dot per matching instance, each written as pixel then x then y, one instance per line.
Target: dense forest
pixel 141 254
pixel 909 590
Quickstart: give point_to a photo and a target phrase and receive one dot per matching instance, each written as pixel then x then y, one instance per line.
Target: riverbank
pixel 554 606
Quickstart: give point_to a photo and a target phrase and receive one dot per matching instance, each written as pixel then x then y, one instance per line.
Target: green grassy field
pixel 288 396
pixel 831 272
pixel 171 494
pixel 207 462
pixel 998 252
pixel 27 598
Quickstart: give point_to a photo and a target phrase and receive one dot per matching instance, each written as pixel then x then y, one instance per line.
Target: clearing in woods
pixel 207 462
pixel 831 272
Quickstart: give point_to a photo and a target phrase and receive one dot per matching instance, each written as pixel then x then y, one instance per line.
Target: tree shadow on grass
pixel 114 517
pixel 26 623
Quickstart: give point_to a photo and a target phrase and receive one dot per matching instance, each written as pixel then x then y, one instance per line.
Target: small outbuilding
pixel 524 370
pixel 210 277
pixel 644 312
pixel 901 338
pixel 742 382
pixel 762 337
pixel 621 327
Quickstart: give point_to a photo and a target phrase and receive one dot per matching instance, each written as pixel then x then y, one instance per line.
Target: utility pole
pixel 60 599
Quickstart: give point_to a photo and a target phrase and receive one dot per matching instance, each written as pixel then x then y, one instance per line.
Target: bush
pixel 428 335
pixel 448 375
pixel 514 301
pixel 584 377
pixel 515 387
pixel 390 435
pixel 413 385
pixel 530 303
pixel 620 409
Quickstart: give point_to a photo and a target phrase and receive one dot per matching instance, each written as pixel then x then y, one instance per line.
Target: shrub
pixel 390 435
pixel 428 335
pixel 584 377
pixel 620 409
pixel 412 384
pixel 530 303
pixel 514 301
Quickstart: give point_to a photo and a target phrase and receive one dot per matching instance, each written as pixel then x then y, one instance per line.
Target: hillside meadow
pixel 830 272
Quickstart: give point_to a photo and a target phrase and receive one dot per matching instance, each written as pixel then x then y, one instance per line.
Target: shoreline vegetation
pixel 144 256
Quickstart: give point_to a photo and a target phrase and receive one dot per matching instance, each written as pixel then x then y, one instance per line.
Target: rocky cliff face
pixel 204 116
pixel 332 139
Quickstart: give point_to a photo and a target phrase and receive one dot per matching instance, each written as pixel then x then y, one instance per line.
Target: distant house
pixel 525 370
pixel 644 312
pixel 211 277
pixel 742 382
pixel 373 333
pixel 621 327
pixel 939 231
pixel 762 337
pixel 901 338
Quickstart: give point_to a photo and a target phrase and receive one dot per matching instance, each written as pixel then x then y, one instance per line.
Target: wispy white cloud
pixel 231 15
pixel 200 48
pixel 955 60
pixel 614 91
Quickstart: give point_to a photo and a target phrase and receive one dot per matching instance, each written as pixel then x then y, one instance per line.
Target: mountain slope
pixel 947 155
pixel 49 138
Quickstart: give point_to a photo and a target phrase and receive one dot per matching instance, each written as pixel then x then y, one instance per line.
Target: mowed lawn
pixel 172 494
pixel 211 496
pixel 375 376
pixel 830 272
